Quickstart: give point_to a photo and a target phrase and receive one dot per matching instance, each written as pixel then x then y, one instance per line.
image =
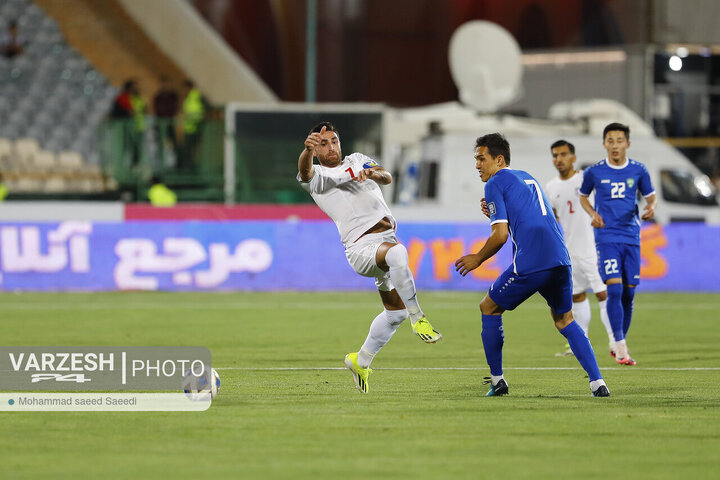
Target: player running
pixel 517 207
pixel 347 190
pixel 562 191
pixel 616 182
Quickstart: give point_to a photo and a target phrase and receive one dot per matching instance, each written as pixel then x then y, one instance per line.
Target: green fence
pixel 192 166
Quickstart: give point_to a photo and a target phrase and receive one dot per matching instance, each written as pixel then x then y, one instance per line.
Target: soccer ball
pixel 201 387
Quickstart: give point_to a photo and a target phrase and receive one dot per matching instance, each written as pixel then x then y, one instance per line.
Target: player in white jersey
pixel 347 190
pixel 564 196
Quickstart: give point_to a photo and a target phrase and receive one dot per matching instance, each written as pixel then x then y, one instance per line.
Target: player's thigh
pixel 631 264
pixel 361 257
pixel 510 289
pixel 556 288
pixel 588 276
pixel 609 261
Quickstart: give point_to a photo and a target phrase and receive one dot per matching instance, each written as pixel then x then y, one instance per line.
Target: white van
pixel 684 193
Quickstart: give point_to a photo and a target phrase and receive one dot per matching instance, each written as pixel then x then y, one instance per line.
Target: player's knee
pixel 489 307
pixel 396 317
pixel 562 320
pixel 396 256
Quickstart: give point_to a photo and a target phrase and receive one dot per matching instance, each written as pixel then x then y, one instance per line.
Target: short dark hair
pixel 617 127
pixel 496 145
pixel 329 127
pixel 562 143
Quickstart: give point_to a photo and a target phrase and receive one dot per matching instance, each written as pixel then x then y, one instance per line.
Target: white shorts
pixel 585 275
pixel 361 257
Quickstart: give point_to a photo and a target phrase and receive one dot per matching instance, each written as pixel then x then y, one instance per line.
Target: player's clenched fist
pixel 484 207
pixel 313 140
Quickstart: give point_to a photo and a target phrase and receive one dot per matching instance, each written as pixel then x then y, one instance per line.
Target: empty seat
pixel 55 184
pixel 69 160
pixel 6 149
pixel 45 161
pixel 26 148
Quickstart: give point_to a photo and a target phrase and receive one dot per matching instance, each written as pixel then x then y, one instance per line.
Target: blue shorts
pixel 555 285
pixel 619 260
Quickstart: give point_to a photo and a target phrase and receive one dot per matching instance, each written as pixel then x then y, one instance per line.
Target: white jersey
pixel 355 207
pixel 564 197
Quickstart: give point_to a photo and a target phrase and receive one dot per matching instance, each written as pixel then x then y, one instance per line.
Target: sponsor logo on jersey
pixel 491 208
pixel 630 182
pixel 370 164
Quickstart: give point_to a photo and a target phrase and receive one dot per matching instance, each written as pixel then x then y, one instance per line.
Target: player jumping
pixel 347 190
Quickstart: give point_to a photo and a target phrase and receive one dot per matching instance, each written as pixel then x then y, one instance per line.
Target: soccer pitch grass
pixel 287 408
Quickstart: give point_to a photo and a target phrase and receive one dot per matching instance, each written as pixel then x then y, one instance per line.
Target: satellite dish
pixel 485 63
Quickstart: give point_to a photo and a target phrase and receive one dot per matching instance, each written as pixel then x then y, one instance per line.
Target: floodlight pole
pixel 311 51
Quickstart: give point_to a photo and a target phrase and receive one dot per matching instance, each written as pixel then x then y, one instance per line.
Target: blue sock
pixel 581 348
pixel 493 338
pixel 628 302
pixel 615 310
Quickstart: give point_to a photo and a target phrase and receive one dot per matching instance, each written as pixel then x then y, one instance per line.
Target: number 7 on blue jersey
pixel 539 195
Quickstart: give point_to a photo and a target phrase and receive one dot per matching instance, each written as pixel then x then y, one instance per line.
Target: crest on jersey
pixel 491 208
pixel 370 164
pixel 630 182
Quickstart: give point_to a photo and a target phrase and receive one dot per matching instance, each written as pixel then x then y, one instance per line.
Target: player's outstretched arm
pixel 649 210
pixel 494 243
pixel 597 220
pixel 305 161
pixel 378 174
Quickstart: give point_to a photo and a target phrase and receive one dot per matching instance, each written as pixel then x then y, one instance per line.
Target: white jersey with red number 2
pixel 564 197
pixel 355 207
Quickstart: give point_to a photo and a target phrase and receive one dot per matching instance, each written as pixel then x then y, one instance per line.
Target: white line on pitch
pixel 290 369
pixel 171 306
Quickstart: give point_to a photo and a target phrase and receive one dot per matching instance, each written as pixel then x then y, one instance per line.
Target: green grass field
pixel 288 410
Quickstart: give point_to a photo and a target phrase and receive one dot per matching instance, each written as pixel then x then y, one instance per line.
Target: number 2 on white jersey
pixel 539 195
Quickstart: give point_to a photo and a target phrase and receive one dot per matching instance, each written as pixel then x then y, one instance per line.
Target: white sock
pixel 496 378
pixel 401 276
pixel 581 314
pixel 595 384
pixel 621 350
pixel 381 331
pixel 605 320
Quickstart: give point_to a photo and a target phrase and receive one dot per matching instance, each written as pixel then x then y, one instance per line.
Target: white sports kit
pixel 578 231
pixel 355 207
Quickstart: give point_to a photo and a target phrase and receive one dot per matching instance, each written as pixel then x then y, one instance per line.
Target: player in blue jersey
pixel 617 181
pixel 517 207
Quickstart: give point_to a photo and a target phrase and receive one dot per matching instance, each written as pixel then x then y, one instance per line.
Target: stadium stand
pixel 52 102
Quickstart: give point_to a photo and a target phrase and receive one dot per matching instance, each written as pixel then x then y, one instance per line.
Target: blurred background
pixel 130 120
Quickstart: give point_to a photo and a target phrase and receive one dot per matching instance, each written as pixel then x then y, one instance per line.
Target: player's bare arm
pixel 494 243
pixel 378 174
pixel 597 220
pixel 649 210
pixel 305 162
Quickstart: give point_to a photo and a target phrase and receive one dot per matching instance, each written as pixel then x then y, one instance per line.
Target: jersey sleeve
pixel 361 161
pixel 495 203
pixel 644 184
pixel 588 183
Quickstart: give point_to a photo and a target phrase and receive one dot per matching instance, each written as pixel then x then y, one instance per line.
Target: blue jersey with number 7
pixel 515 197
pixel 616 191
